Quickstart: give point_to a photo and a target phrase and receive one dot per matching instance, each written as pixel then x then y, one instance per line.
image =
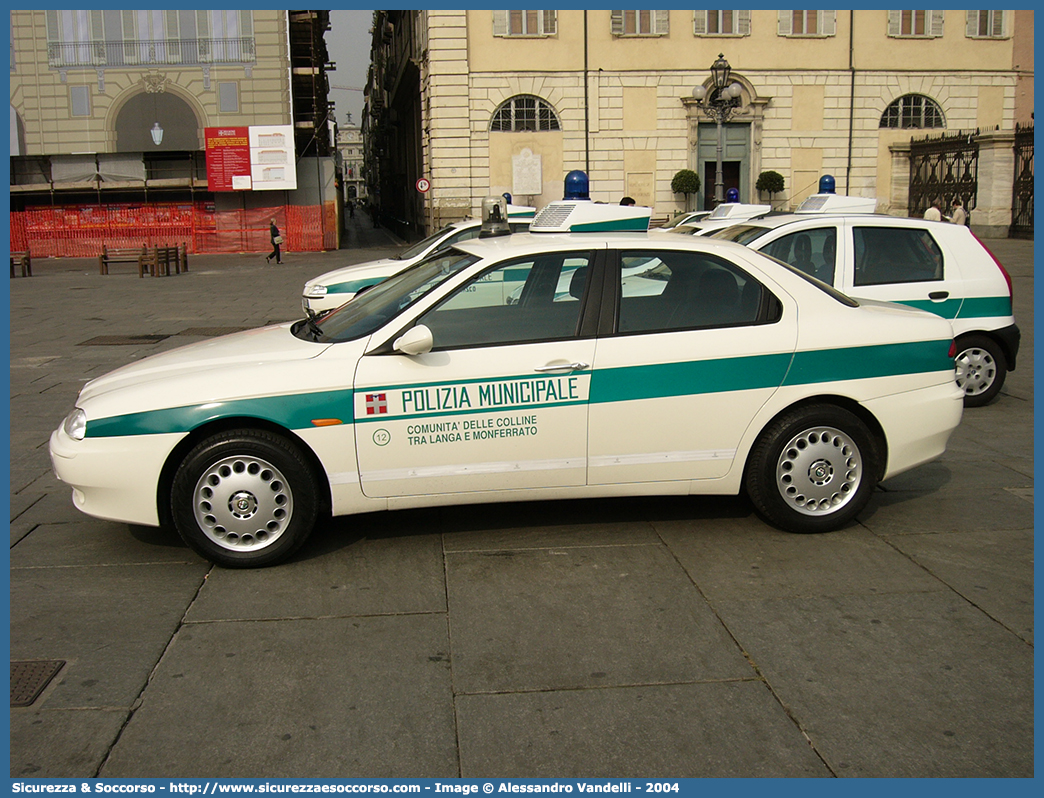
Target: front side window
pixel 813 252
pixel 807 23
pixel 525 23
pixel 524 113
pixel 916 24
pixel 373 308
pixel 887 255
pixel 661 291
pixel 525 300
pixel 913 111
pixel 642 22
pixel 721 23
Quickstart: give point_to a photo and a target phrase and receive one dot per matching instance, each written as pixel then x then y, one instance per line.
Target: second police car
pixel 668 366
pixel 334 288
pixel 935 266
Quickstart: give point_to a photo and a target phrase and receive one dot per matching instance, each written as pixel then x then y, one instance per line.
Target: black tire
pixel 244 498
pixel 981 369
pixel 813 469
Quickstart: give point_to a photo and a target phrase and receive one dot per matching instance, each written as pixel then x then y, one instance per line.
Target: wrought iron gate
pixel 1022 190
pixel 944 168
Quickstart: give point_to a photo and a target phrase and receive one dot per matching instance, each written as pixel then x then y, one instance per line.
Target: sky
pixel 348 42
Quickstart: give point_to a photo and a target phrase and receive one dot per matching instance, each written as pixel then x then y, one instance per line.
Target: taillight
pixel 1007 277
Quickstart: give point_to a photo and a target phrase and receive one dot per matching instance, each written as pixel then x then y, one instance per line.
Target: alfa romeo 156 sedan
pixel 530 366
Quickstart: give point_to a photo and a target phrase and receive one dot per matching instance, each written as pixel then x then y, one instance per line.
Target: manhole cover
pixel 212 331
pixel 29 678
pixel 124 340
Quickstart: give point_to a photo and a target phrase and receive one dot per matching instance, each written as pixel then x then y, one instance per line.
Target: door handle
pixel 939 295
pixel 563 367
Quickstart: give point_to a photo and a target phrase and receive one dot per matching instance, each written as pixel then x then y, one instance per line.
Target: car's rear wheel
pixel 981 369
pixel 813 469
pixel 244 498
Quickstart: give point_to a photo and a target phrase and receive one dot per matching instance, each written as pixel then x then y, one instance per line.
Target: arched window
pixel 913 111
pixel 524 112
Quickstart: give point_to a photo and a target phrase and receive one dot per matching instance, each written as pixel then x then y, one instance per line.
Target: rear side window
pixel 886 255
pixel 669 290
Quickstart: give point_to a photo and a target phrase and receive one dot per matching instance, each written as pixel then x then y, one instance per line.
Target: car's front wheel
pixel 981 369
pixel 813 469
pixel 244 498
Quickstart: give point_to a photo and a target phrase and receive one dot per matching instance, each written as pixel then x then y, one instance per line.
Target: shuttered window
pixel 807 23
pixel 986 25
pixel 721 23
pixel 916 24
pixel 643 22
pixel 525 23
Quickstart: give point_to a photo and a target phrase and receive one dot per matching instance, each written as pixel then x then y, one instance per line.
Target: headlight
pixel 75 425
pixel 316 291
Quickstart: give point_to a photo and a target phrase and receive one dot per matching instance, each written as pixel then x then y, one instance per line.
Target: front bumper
pixel 113 478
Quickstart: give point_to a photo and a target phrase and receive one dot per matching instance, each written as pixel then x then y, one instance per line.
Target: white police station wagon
pixel 334 288
pixel 669 366
pixel 935 266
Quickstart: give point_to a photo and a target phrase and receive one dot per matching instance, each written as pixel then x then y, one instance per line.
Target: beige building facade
pixel 512 101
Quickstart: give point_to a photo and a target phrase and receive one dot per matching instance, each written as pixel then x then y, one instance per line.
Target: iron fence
pixel 944 168
pixel 1022 188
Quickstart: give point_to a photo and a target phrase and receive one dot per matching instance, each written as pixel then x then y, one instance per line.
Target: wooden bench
pixel 122 255
pixel 156 261
pixel 24 262
pixel 160 260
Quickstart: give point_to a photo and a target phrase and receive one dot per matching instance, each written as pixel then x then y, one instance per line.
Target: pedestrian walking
pixel 375 214
pixel 351 209
pixel 934 213
pixel 277 239
pixel 959 215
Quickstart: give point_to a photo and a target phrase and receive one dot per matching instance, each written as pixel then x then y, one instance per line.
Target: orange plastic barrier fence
pixel 78 231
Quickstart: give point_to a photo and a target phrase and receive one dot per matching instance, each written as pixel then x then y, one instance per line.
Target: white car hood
pixel 360 271
pixel 192 363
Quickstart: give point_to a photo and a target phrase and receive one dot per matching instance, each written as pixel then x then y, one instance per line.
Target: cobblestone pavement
pixel 644 637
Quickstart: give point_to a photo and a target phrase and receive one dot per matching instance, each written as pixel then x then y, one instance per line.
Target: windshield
pixel 370 310
pixel 740 233
pixel 418 248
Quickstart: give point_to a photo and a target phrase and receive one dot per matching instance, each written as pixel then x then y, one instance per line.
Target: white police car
pixel 672 365
pixel 334 288
pixel 692 217
pixel 725 215
pixel 934 266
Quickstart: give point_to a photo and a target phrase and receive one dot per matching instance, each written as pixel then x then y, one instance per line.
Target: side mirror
pixel 415 341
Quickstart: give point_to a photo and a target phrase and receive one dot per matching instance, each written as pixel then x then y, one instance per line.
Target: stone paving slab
pixel 561 619
pixel 311 698
pixel 725 729
pixel 62 744
pixel 909 684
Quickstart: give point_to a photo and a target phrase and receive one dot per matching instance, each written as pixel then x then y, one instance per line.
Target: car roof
pixel 772 221
pixel 531 243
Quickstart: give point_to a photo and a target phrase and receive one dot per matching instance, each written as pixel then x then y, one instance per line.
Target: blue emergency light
pixel 576 186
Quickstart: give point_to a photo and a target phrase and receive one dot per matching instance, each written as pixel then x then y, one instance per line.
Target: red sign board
pixel 228 158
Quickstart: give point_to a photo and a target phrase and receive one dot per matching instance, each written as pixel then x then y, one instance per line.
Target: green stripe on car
pixel 353 287
pixel 294 411
pixel 627 383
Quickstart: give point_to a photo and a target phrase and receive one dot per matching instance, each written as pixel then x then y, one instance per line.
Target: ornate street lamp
pixel 719 105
